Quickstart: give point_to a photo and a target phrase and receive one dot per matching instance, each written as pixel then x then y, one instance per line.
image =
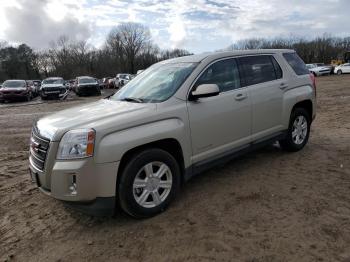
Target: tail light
pixel 313 80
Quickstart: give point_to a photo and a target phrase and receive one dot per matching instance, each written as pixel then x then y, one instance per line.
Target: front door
pixel 220 123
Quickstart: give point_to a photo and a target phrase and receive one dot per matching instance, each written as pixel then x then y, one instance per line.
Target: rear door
pixel 262 75
pixel 220 123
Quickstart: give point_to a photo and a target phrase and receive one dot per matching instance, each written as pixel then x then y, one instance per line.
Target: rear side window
pixel 258 69
pixel 296 63
pixel 224 73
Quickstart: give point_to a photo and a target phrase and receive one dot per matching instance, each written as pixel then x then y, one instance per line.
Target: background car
pixel 37 84
pixel 53 87
pixel 122 79
pixel 319 70
pixel 31 85
pixel 111 83
pixel 86 85
pixel 342 69
pixel 15 90
pixel 101 84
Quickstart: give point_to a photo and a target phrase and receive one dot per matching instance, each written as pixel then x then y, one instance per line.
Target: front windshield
pixel 53 81
pixel 156 84
pixel 123 76
pixel 13 84
pixel 309 66
pixel 87 81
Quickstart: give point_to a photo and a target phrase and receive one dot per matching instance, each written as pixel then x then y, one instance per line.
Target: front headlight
pixel 77 144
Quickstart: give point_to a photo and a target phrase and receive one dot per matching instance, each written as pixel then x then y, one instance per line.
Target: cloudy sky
pixel 196 25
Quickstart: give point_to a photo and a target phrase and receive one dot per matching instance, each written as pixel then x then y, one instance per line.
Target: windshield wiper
pixel 132 99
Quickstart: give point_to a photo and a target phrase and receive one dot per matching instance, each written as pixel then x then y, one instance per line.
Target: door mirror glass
pixel 205 90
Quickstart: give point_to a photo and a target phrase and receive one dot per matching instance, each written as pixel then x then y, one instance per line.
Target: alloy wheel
pixel 152 184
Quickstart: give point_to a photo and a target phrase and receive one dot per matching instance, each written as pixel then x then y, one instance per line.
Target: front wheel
pixel 148 183
pixel 298 131
pixel 339 72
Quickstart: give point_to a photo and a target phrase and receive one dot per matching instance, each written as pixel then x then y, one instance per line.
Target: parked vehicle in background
pixel 175 120
pixel 30 83
pixel 71 83
pixel 111 83
pixel 37 84
pixel 105 80
pixel 53 87
pixel 139 72
pixel 101 84
pixel 319 70
pixel 67 84
pixel 342 69
pixel 86 85
pixel 15 90
pixel 121 80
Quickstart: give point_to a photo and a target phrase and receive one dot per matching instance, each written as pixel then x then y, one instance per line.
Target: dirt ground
pixel 266 206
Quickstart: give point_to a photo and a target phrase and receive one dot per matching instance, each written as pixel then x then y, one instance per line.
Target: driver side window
pixel 224 73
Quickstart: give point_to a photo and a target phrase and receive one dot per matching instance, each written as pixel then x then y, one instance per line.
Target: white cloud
pixel 177 32
pixel 197 25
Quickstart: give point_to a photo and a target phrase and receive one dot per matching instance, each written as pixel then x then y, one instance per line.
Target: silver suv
pixel 134 149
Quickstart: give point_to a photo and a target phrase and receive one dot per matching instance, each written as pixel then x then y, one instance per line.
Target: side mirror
pixel 205 90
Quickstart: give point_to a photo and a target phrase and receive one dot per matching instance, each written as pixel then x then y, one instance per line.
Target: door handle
pixel 283 86
pixel 240 97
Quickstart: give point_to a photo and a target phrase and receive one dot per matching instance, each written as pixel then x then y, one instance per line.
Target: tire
pixel 130 195
pixel 294 142
pixel 315 75
pixel 339 72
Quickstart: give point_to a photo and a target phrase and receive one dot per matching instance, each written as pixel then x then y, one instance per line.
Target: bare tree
pixel 131 38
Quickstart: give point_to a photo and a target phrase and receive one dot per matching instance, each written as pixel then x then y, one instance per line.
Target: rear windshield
pixel 296 63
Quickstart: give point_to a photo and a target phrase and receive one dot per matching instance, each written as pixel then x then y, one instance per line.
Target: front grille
pixel 38 150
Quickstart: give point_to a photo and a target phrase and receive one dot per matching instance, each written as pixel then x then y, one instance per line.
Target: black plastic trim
pixel 101 206
pixel 225 157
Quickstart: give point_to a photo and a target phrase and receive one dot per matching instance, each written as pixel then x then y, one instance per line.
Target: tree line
pixel 129 47
pixel 321 49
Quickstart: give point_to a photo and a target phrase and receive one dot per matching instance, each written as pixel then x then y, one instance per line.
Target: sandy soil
pixel 266 206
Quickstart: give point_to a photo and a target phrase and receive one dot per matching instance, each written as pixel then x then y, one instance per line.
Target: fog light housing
pixel 73 186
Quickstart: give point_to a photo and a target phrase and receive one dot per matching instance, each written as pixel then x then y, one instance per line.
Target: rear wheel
pixel 148 183
pixel 298 131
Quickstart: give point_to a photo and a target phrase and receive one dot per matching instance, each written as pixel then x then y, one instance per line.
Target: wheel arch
pixel 170 145
pixel 307 105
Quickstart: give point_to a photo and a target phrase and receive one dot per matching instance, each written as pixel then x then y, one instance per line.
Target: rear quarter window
pixel 258 69
pixel 296 63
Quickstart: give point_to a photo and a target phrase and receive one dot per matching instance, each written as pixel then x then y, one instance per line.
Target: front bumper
pixel 13 96
pixel 56 93
pixel 84 184
pixel 88 90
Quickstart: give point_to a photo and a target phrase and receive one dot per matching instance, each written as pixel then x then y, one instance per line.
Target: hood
pixel 13 89
pixel 92 115
pixel 51 85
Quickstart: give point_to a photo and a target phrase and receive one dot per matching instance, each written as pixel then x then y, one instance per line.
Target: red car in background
pixel 15 90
